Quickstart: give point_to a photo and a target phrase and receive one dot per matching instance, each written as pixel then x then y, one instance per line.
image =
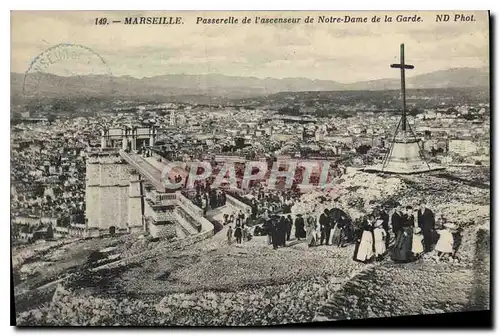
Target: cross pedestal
pixel 405 155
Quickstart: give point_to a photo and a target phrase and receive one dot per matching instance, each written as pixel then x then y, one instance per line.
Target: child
pixel 379 235
pixel 444 246
pixel 417 248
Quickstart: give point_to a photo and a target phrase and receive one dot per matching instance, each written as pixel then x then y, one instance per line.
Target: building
pixel 125 193
pixel 462 147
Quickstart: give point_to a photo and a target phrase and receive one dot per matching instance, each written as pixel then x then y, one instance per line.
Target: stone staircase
pixel 186 227
pixel 180 232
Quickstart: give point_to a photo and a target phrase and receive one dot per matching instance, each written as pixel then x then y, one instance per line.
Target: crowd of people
pixel 264 201
pixel 413 232
pixel 241 225
pixel 405 235
pixel 208 198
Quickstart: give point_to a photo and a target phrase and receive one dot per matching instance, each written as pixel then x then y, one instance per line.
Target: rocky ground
pixel 300 292
pixel 392 290
pixel 212 283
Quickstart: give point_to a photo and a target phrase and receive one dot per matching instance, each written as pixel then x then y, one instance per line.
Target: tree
pixel 363 149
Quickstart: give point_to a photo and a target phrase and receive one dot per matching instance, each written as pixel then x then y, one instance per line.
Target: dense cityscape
pixel 48 156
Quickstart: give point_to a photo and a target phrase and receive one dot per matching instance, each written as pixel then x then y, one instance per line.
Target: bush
pixel 94 257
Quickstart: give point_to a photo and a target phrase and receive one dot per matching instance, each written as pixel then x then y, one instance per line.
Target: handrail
pixel 157 183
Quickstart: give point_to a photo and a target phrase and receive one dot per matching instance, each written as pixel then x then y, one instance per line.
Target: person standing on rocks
pixel 379 237
pixel 444 246
pixel 404 239
pixel 204 206
pixel 299 227
pixel 229 235
pixel 238 234
pixel 311 231
pixel 397 220
pixel 275 232
pixel 267 229
pixel 335 224
pixel 241 216
pixel 427 222
pixel 282 231
pixel 384 216
pixel 417 248
pixel 324 227
pixel 365 245
pixel 289 224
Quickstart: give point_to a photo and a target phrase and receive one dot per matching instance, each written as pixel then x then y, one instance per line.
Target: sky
pixel 343 52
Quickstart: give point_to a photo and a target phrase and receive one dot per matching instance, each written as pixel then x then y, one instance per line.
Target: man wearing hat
pixel 275 231
pixel 299 227
pixel 426 222
pixel 282 230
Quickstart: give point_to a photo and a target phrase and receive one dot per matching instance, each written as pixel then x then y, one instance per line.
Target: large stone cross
pixel 403 66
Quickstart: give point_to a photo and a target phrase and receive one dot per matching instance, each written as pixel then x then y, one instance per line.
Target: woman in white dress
pixel 444 246
pixel 417 248
pixel 364 251
pixel 379 235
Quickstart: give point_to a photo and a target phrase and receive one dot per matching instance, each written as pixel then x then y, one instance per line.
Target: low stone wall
pixel 186 203
pixel 232 201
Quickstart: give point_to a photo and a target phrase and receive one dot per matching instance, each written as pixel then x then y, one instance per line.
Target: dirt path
pixel 423 287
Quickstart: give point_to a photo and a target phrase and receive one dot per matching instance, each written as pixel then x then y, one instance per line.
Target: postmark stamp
pixel 66 66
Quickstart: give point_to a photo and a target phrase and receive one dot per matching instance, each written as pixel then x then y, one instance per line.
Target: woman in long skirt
pixel 404 240
pixel 336 233
pixel 365 248
pixel 379 235
pixel 311 231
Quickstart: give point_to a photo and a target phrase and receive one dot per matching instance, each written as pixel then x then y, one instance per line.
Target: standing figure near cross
pixel 403 66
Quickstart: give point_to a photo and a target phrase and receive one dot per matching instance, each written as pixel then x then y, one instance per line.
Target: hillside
pixel 162 86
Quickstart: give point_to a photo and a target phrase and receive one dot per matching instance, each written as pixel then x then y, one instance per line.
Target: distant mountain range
pixel 162 86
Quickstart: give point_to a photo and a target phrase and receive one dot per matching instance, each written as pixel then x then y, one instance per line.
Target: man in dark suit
pixel 397 220
pixel 427 223
pixel 325 227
